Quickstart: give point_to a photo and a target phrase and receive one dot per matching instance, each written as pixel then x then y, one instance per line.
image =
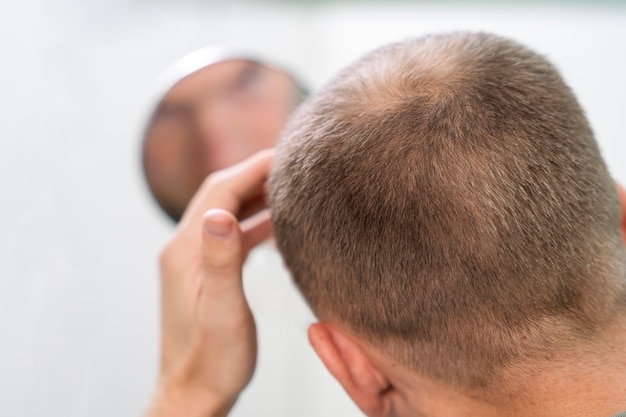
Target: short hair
pixel 444 198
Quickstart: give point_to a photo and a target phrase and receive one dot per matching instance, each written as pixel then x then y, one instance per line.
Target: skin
pixel 209 336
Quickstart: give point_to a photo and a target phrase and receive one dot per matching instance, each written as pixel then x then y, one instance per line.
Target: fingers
pixel 225 245
pixel 222 250
pixel 229 189
pixel 256 230
pixel 252 207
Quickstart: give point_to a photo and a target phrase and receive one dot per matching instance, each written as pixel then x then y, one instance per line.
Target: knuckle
pixel 216 183
pixel 217 179
pixel 222 259
pixel 219 261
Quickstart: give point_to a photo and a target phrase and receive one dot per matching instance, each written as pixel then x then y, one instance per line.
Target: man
pixel 444 209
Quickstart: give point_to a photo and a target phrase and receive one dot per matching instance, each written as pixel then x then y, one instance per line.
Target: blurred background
pixel 79 233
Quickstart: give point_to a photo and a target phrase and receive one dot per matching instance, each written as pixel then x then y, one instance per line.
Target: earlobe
pixel 349 364
pixel 622 199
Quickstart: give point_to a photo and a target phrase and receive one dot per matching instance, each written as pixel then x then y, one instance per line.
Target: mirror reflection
pixel 210 119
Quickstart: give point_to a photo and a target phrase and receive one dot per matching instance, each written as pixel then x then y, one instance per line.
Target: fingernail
pixel 218 224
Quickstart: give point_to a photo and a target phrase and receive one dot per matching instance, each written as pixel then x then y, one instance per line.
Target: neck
pixel 588 385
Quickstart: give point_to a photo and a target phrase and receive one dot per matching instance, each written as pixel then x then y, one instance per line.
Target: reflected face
pixel 211 119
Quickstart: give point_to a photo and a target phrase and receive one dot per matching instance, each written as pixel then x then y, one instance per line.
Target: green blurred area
pixel 429 3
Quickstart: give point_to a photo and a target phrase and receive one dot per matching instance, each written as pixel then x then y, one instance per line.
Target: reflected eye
pixel 172 113
pixel 247 79
pixel 172 122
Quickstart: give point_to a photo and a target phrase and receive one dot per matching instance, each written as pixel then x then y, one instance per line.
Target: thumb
pixel 222 255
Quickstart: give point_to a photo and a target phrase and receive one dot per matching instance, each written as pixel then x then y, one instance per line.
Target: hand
pixel 208 332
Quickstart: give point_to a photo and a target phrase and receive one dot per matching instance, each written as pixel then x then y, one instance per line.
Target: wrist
pixel 177 401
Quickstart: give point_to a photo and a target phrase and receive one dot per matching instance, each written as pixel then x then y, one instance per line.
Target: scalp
pixel 445 198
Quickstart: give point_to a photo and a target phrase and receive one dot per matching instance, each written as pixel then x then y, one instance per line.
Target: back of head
pixel 444 198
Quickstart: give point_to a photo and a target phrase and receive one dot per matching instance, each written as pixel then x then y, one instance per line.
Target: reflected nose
pixel 220 133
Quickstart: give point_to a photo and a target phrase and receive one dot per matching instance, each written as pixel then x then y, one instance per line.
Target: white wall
pixel 78 234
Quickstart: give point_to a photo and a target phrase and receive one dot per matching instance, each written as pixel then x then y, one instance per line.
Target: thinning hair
pixel 444 197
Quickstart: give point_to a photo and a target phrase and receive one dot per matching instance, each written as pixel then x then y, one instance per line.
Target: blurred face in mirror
pixel 211 119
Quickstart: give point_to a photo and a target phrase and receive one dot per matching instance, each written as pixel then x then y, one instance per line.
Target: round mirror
pixel 217 110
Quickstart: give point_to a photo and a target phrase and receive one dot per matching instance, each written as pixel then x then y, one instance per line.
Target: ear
pixel 622 199
pixel 349 364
